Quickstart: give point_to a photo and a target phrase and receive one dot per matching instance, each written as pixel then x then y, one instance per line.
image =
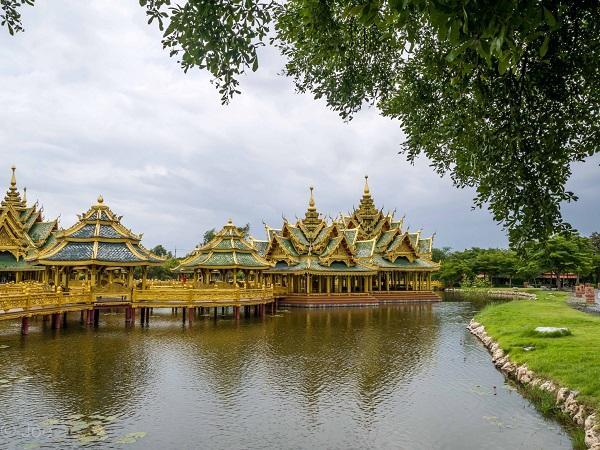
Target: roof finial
pixel 311 202
pixel 13 178
pixel 100 199
pixel 366 185
pixel 25 195
pixel 229 221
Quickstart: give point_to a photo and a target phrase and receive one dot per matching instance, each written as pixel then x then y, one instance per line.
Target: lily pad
pixel 50 422
pixel 98 430
pixel 131 438
pixel 87 438
pixel 78 425
pixel 31 446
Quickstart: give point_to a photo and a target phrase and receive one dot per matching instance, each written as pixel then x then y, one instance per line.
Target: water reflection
pixel 406 376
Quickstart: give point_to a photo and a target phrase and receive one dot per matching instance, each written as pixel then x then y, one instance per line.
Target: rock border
pixel 497 293
pixel 565 398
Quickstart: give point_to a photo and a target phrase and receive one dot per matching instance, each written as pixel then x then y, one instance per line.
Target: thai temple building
pixel 23 234
pixel 97 251
pixel 362 258
pixel 227 258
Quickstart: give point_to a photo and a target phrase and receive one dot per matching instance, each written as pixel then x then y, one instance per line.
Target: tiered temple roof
pixel 227 250
pixel 364 242
pixel 98 238
pixel 23 230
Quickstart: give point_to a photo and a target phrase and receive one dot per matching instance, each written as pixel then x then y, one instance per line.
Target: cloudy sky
pixel 91 104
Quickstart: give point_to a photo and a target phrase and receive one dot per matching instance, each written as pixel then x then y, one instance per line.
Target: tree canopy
pixel 500 95
pixel 560 254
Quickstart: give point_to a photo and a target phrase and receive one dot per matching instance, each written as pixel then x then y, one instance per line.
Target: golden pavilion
pixel 97 250
pixel 227 258
pixel 23 234
pixel 362 258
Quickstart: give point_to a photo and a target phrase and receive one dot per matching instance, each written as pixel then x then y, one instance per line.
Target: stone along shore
pixel 565 398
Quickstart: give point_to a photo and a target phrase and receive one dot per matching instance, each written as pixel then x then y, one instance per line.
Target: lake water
pixel 398 377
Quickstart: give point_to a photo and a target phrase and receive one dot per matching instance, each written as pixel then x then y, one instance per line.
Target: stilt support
pixel 25 326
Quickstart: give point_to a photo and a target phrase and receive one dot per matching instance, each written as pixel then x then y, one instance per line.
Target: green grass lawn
pixel 572 361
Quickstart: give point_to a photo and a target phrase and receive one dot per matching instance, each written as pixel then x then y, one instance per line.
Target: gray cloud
pixel 92 104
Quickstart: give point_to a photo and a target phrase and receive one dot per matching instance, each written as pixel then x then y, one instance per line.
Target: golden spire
pixel 366 190
pixel 311 201
pixel 25 195
pixel 311 219
pixel 13 178
pixel 12 195
pixel 100 199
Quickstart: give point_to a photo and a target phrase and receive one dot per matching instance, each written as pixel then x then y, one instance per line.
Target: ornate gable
pixel 281 249
pixel 401 246
pixel 338 249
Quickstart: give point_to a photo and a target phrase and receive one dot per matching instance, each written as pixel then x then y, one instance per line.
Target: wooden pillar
pixel 328 281
pixel 236 312
pixel 144 276
pixel 93 273
pixel 25 326
pixel 308 283
pixel 191 312
pixel 130 277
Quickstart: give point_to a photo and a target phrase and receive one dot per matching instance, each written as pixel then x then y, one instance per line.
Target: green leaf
pixel 503 63
pixel 544 47
pixel 550 20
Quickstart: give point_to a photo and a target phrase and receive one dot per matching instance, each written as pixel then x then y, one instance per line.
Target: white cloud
pixel 92 104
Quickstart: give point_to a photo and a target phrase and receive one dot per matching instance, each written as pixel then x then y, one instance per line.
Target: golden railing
pixel 34 302
pixel 208 295
pixel 27 302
